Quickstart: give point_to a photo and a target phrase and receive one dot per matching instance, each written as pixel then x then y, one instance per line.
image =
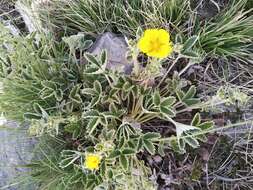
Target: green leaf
pixel 113 108
pixel 151 136
pixel 167 112
pixel 104 57
pixel 97 87
pixel 46 93
pixel 190 54
pixel 114 154
pixel 85 45
pixel 178 39
pixel 49 85
pixel 121 142
pixel 92 124
pixel 139 145
pixel 192 142
pixel 190 93
pixel 58 95
pixel 94 101
pixel 40 110
pixel 180 94
pixel 131 144
pixel 103 120
pixel 128 151
pixel 149 147
pixel 123 161
pixel 174 144
pixel 190 43
pixel 74 94
pixel 196 120
pixel 102 168
pixel 191 101
pixel 181 128
pixel 88 91
pixel 90 114
pixel 92 59
pixel 181 145
pixel 157 98
pixel 168 101
pixel 127 86
pixel 161 148
pixel 29 116
pixel 206 125
pixel 74 41
pixel 202 138
pixel 110 174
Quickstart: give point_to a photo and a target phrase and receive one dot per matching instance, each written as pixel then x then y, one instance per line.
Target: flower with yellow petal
pixel 156 43
pixel 92 161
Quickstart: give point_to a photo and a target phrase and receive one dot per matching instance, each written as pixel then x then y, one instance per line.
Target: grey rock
pixel 116 47
pixel 16 150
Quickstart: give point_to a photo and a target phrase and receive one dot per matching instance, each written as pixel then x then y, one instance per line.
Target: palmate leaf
pixel 93 60
pixel 189 97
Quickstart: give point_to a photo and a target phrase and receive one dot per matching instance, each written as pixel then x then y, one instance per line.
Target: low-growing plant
pixel 101 111
pixel 95 123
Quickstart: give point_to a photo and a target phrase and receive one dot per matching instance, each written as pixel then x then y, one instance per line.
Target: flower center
pixel 155 45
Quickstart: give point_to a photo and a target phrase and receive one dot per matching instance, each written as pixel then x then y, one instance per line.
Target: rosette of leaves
pixel 94 110
pixel 114 110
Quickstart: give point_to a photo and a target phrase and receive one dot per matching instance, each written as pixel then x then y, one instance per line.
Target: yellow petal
pixel 164 36
pixel 144 45
pixel 151 33
pixel 163 52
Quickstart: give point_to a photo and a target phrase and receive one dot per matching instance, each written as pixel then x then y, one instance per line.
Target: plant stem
pixel 187 66
pixel 167 72
pixel 212 130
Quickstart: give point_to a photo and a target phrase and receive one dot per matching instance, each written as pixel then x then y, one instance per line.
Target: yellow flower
pixel 92 161
pixel 156 43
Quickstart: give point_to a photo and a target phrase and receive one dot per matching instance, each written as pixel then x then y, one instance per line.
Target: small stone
pixel 116 47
